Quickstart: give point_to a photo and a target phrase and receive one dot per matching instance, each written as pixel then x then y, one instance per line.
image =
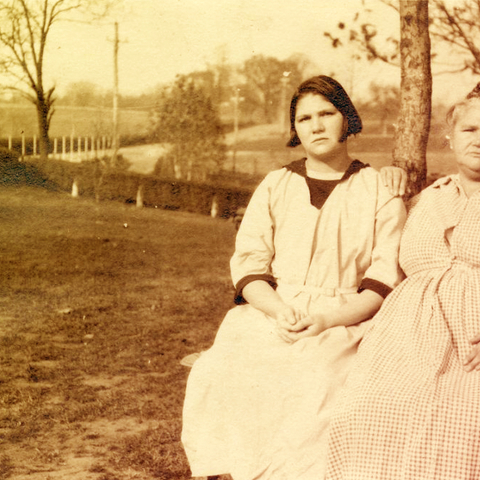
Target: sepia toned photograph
pixel 234 240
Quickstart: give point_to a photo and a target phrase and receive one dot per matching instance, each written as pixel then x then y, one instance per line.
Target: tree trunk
pixel 411 138
pixel 43 127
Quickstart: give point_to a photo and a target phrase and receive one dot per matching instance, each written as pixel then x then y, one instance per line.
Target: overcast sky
pixel 161 38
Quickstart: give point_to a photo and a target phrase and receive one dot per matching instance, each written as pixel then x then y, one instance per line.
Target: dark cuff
pixel 239 300
pixel 375 286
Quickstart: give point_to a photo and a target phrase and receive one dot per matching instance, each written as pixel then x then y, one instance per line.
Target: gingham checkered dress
pixel 410 410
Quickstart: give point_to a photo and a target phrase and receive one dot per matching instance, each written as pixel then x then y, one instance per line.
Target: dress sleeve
pixel 384 272
pixel 254 248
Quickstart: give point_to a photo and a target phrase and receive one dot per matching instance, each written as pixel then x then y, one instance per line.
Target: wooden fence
pixel 73 149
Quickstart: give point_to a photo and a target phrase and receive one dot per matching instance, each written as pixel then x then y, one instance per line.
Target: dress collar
pixel 299 167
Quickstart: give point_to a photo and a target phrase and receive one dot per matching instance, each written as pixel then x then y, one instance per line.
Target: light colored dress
pixel 255 406
pixel 410 410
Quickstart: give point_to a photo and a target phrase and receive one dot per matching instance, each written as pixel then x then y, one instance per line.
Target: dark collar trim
pixel 298 166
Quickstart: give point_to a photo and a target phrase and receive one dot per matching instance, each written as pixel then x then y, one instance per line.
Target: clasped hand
pixel 294 324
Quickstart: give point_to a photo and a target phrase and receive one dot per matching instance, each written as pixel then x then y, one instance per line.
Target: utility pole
pixel 115 98
pixel 283 104
pixel 236 100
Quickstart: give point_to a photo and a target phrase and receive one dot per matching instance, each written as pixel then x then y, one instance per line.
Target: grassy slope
pixel 68 121
pixel 98 303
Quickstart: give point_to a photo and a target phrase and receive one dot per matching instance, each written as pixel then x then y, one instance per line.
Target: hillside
pixel 79 121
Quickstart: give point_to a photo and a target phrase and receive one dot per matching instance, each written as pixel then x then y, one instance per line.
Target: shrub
pixel 188 120
pixel 15 172
pixel 95 179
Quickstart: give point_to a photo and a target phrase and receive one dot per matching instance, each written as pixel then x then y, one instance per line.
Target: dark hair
pixel 454 110
pixel 336 95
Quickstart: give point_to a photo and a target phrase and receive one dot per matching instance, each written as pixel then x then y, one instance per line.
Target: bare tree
pixel 24 29
pixel 364 34
pixel 459 27
pixel 454 25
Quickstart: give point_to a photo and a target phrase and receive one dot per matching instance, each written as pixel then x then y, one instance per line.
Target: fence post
pixel 74 188
pixel 9 142
pixel 55 147
pixel 214 210
pixel 64 147
pixel 140 196
pixel 34 145
pixel 79 148
pixel 23 145
pixel 71 148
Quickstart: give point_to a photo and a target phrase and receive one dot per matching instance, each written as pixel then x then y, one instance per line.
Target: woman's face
pixel 465 140
pixel 319 126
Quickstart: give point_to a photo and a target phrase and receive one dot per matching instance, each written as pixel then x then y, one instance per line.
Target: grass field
pixel 69 120
pixel 98 304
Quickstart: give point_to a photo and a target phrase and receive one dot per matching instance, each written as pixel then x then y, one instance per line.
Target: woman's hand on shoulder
pixel 395 179
pixel 472 362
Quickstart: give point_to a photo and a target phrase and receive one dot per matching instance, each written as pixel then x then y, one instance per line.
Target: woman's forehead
pixel 468 112
pixel 313 100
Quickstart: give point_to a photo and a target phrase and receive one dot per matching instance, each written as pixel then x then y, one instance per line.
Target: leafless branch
pixel 24 32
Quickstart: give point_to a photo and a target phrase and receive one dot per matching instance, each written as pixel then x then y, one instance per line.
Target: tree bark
pixel 411 138
pixel 43 111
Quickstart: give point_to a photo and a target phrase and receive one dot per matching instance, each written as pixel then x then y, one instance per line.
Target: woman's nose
pixel 317 124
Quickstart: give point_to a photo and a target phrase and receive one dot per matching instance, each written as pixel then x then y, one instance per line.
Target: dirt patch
pixel 81 454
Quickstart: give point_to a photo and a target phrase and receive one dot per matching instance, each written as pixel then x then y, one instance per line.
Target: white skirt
pixel 257 407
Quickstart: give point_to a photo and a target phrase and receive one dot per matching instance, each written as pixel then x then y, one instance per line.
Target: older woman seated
pixel 411 408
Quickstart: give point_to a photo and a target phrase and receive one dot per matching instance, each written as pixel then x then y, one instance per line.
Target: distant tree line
pixel 194 111
pixel 191 114
pixel 260 82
